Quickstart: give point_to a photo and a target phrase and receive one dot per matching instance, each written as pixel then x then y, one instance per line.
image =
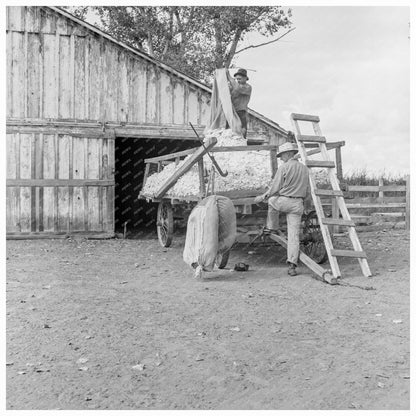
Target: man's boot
pixel 292 270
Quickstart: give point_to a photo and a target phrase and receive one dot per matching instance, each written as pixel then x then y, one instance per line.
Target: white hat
pixel 287 147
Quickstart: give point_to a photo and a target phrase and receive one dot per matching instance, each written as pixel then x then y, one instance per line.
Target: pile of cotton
pixel 247 170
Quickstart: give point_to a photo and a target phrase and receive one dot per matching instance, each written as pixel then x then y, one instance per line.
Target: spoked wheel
pixel 313 242
pixel 165 223
pixel 222 259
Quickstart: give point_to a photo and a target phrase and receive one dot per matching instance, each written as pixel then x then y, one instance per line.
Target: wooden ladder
pixel 335 192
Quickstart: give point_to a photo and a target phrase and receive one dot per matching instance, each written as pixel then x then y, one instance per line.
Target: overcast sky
pixel 350 66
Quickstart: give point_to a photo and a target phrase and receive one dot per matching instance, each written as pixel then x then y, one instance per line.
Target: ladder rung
pixel 335 221
pixel 314 139
pixel 320 164
pixel 304 117
pixel 348 253
pixel 328 192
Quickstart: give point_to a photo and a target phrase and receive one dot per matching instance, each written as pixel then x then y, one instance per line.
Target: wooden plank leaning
pixel 324 275
pixel 195 157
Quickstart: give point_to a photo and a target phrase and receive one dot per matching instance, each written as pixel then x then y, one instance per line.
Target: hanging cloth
pixel 222 109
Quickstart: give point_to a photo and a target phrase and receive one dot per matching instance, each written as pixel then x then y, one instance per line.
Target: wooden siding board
pixel 193 107
pixel 16 20
pixel 49 161
pixel 32 19
pixel 166 94
pixel 178 103
pixel 151 92
pixel 80 78
pixel 63 156
pixel 9 72
pixel 18 76
pixel 63 208
pixel 25 164
pixel 93 209
pixel 78 158
pixel 50 81
pixel 94 79
pixel 78 211
pixel 123 88
pixel 64 80
pixel 33 76
pixel 109 103
pixel 138 92
pixel 48 208
pixel 25 209
pixel 12 209
pixel 11 157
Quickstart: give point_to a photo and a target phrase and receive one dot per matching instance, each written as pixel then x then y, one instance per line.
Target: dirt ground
pixel 122 324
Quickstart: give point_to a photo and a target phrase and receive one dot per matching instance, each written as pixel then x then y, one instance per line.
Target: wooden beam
pixel 325 275
pixel 195 157
pixel 311 138
pixel 304 117
pixel 58 182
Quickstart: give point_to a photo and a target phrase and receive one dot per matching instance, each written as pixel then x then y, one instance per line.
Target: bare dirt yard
pixel 122 324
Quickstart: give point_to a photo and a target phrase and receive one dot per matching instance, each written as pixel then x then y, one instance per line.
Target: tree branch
pixel 265 43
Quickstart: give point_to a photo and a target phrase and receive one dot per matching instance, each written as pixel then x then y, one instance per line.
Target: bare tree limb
pixel 265 43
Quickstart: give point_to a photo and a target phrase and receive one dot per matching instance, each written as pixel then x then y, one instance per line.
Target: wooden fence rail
pixel 390 206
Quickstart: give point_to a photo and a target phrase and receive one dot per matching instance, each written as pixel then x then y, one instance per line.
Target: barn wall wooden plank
pixel 178 103
pixel 25 164
pixel 166 94
pixel 151 93
pixel 11 157
pixel 48 208
pixel 25 209
pixel 9 73
pixel 64 80
pixel 78 158
pixel 193 107
pixel 33 75
pixel 18 76
pixel 80 78
pixel 32 19
pixel 63 208
pixel 16 18
pixel 109 102
pixel 78 211
pixel 12 210
pixel 33 208
pixel 50 79
pixel 93 209
pixel 123 88
pixel 48 156
pixel 64 155
pixel 95 78
pixel 138 92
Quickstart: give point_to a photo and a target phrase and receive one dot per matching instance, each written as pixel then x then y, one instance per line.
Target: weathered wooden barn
pixel 83 111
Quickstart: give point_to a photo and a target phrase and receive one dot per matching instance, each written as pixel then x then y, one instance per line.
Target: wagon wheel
pixel 313 241
pixel 222 259
pixel 164 223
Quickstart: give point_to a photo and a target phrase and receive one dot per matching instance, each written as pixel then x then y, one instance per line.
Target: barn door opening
pixel 130 153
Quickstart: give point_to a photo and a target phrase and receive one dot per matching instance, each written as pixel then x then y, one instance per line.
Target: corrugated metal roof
pixel 157 62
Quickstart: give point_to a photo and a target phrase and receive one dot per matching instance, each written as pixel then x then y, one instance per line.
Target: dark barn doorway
pixel 138 215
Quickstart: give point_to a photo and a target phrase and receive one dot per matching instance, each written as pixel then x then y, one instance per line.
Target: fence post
pixel 407 218
pixel 380 192
pixel 338 161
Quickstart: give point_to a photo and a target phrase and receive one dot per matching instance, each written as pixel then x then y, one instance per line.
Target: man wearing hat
pixel 240 96
pixel 289 188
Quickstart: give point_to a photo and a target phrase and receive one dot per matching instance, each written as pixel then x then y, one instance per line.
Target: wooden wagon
pixel 172 208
